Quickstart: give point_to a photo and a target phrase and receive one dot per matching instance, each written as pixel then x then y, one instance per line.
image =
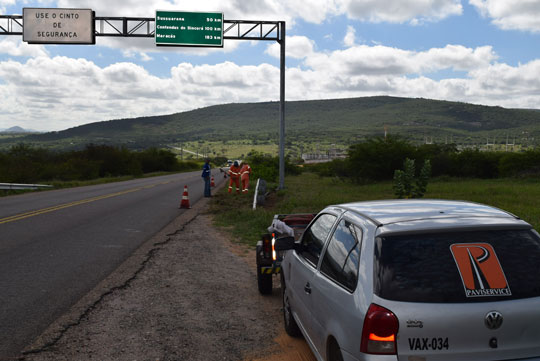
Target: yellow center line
pixel 18 217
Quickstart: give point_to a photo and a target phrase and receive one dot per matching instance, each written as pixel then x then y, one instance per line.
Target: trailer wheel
pixel 264 281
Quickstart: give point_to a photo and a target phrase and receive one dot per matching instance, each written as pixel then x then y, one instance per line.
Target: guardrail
pixel 16 186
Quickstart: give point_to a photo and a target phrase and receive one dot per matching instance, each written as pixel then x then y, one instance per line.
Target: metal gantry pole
pixel 282 107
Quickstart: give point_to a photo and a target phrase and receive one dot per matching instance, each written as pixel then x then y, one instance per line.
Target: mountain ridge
pixel 343 120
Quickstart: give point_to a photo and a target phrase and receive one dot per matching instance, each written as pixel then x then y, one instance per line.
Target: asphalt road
pixel 55 246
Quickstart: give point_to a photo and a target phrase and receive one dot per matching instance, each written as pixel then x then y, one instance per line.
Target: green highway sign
pixel 181 28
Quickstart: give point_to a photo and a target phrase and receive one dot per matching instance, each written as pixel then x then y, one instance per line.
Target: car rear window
pixel 479 266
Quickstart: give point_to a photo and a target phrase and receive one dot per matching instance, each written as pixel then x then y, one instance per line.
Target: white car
pixel 414 280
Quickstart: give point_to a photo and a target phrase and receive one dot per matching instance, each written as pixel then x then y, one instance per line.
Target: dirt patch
pixel 195 298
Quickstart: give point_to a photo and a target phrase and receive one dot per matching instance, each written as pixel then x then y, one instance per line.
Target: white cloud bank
pixel 314 11
pixel 57 93
pixel 511 15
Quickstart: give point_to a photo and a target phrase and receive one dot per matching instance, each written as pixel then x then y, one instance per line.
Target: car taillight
pixel 379 332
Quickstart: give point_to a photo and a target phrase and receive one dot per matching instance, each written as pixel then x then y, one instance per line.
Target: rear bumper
pixel 365 357
pixel 270 270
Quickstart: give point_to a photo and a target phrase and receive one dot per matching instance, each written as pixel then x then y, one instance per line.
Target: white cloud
pixel 383 60
pixel 511 15
pixel 350 37
pixel 401 11
pixel 314 11
pixel 297 47
pixel 455 57
pixel 497 84
pixel 15 47
pixel 60 92
pixel 146 57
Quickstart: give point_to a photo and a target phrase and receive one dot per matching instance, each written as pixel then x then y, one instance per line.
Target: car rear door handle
pixel 307 288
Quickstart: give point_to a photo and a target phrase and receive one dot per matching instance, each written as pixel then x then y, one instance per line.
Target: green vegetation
pixel 26 164
pixel 378 158
pixel 310 193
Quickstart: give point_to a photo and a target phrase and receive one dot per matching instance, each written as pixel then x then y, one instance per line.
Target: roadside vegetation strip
pixel 309 193
pixel 21 216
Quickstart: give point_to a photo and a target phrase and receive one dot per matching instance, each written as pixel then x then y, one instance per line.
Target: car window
pixel 340 261
pixel 479 266
pixel 314 237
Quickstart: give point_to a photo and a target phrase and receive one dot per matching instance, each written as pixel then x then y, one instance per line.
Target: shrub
pixel 407 184
pixel 267 167
pixel 476 164
pixel 155 160
pixel 520 164
pixel 377 158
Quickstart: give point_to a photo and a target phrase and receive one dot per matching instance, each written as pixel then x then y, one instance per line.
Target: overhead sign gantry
pixel 72 26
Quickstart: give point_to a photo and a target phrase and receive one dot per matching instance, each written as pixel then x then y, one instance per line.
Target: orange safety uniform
pixel 244 176
pixel 234 174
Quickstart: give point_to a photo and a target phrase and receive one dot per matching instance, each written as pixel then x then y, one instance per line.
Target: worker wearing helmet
pixel 245 172
pixel 234 174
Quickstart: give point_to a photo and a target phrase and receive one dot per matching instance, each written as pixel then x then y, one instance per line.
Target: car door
pixel 334 305
pixel 303 268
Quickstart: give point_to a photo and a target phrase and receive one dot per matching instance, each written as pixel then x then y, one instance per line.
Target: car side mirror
pixel 285 244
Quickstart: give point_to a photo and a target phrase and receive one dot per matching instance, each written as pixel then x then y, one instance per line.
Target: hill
pixel 17 130
pixel 339 121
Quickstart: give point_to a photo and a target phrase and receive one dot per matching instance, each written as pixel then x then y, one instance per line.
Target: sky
pixel 476 51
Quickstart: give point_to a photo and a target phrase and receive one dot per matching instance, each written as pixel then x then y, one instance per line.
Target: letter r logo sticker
pixel 480 270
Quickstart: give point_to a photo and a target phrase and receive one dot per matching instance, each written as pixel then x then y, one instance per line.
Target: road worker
pixel 245 172
pixel 234 175
pixel 206 173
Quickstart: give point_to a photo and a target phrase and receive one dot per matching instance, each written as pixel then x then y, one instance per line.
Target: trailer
pixel 268 259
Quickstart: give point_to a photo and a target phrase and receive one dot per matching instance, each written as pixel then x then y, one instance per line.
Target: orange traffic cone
pixel 185 199
pixel 212 184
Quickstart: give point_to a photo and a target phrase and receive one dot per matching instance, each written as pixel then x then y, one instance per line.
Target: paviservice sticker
pixel 480 270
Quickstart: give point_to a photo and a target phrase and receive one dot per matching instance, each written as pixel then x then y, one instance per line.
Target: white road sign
pixel 58 26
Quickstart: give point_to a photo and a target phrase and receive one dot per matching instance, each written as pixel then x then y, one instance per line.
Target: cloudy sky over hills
pixel 477 51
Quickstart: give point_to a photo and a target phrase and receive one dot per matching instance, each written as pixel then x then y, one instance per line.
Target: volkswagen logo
pixel 493 320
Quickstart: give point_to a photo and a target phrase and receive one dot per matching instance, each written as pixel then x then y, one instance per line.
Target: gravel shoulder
pixel 187 294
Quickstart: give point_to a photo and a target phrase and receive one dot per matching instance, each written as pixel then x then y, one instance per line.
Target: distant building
pixel 331 154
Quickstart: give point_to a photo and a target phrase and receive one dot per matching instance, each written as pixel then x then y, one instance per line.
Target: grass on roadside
pixel 311 193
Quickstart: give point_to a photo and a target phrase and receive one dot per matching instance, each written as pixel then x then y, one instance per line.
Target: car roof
pixel 386 212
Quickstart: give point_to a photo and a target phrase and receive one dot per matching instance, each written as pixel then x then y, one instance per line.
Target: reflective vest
pixel 234 172
pixel 245 171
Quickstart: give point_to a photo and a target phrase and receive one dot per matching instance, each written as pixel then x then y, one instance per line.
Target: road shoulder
pixel 183 295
